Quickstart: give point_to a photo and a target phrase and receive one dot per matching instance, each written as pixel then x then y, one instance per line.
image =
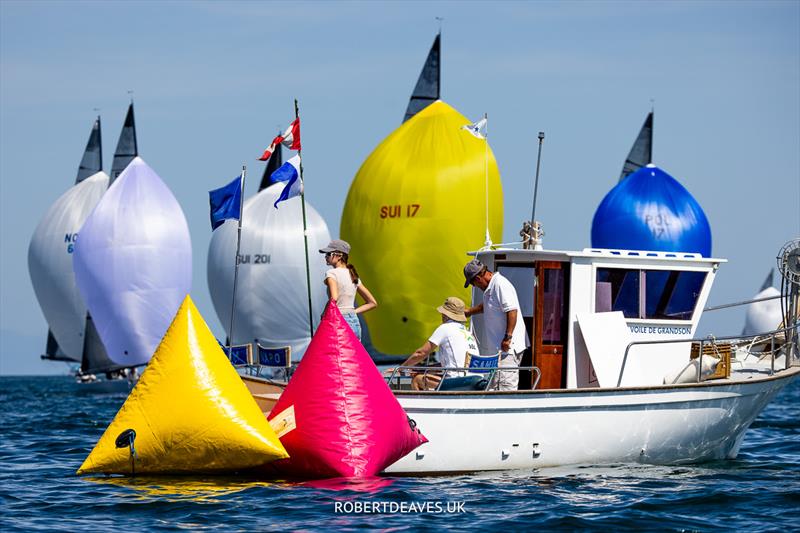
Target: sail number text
pixel 398 211
pixel 256 259
pixel 70 239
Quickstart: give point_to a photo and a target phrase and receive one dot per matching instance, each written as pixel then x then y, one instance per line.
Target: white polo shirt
pixel 499 298
pixel 454 341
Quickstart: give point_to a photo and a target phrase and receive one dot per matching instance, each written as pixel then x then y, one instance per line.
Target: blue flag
pixel 290 173
pixel 226 202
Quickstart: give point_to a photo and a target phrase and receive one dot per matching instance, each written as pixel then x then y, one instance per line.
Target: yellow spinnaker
pixel 416 207
pixel 190 410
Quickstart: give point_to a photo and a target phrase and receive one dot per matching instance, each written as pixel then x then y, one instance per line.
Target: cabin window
pixel 617 290
pixel 648 294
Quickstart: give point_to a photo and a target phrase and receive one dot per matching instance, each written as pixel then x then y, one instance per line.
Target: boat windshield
pixel 648 294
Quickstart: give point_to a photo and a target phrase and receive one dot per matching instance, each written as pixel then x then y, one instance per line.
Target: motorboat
pixel 616 371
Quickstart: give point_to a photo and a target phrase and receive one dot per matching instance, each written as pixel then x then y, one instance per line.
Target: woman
pixel 343 284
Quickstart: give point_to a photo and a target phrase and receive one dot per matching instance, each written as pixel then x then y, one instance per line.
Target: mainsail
pixel 271 295
pixel 50 265
pixel 92 161
pixel 127 148
pixel 133 264
pixel 641 153
pixel 415 208
pixel 428 88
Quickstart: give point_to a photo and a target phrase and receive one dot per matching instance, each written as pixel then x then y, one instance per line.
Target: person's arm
pixel 419 354
pixel 369 301
pixel 333 288
pixel 511 322
pixel 478 309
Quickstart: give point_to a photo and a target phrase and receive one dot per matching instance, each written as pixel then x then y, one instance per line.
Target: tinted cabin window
pixel 618 291
pixel 667 295
pixel 672 295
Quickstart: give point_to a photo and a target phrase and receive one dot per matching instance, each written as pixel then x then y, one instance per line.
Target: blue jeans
pixel 355 325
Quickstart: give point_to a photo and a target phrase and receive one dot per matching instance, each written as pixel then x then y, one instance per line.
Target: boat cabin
pixel 583 309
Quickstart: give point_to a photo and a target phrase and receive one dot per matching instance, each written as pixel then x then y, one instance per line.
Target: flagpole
pixel 236 267
pixel 305 228
pixel 486 169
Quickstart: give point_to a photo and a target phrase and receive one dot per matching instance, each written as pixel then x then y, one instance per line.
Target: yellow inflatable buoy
pixel 416 207
pixel 189 412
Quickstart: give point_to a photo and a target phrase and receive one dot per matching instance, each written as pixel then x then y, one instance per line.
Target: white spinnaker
pixel 763 316
pixel 50 262
pixel 133 263
pixel 271 291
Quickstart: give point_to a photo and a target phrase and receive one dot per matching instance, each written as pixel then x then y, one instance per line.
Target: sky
pixel 213 82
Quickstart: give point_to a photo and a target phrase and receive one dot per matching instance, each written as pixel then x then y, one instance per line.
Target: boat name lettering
pixel 397 211
pixel 662 330
pixel 70 239
pixel 256 259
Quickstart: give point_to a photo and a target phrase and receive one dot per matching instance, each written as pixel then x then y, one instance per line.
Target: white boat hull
pixel 657 425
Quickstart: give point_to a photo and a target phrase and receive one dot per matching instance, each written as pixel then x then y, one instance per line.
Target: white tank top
pixel 347 289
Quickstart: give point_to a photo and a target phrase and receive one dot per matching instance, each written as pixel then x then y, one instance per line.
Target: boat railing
pixel 455 378
pixel 781 342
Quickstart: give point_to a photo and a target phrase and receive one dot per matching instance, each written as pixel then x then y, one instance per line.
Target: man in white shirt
pixel 505 329
pixel 452 342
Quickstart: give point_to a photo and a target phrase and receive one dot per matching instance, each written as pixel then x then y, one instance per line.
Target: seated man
pixel 452 341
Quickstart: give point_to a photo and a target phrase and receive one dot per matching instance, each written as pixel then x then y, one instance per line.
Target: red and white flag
pixel 290 139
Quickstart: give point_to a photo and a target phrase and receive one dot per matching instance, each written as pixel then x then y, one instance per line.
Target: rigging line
pixel 747 302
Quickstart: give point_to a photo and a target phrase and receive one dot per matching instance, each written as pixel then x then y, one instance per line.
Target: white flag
pixel 477 129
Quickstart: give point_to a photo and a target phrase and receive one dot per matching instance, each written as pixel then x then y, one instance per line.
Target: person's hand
pixel 505 346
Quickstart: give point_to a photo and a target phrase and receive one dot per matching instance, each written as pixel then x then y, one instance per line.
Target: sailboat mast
pixel 236 263
pixel 305 228
pixel 488 241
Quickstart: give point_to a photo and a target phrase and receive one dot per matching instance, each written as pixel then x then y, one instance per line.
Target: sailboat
pixel 409 195
pixel 271 305
pixel 417 202
pixel 50 255
pixel 133 264
pixel 641 153
pixel 765 314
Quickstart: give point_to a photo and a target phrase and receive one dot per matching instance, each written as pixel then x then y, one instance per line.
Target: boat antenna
pixel 305 228
pixel 236 263
pixel 535 227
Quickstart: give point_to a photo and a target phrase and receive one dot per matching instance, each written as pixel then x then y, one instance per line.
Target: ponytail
pixel 351 268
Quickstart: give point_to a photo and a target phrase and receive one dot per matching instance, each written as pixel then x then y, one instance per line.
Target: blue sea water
pixel 47 429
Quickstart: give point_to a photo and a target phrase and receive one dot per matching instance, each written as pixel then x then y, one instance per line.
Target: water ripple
pixel 47 430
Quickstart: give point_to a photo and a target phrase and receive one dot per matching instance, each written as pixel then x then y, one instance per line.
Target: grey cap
pixel 472 269
pixel 336 245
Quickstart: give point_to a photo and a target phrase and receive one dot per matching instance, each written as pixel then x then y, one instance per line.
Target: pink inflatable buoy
pixel 347 421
